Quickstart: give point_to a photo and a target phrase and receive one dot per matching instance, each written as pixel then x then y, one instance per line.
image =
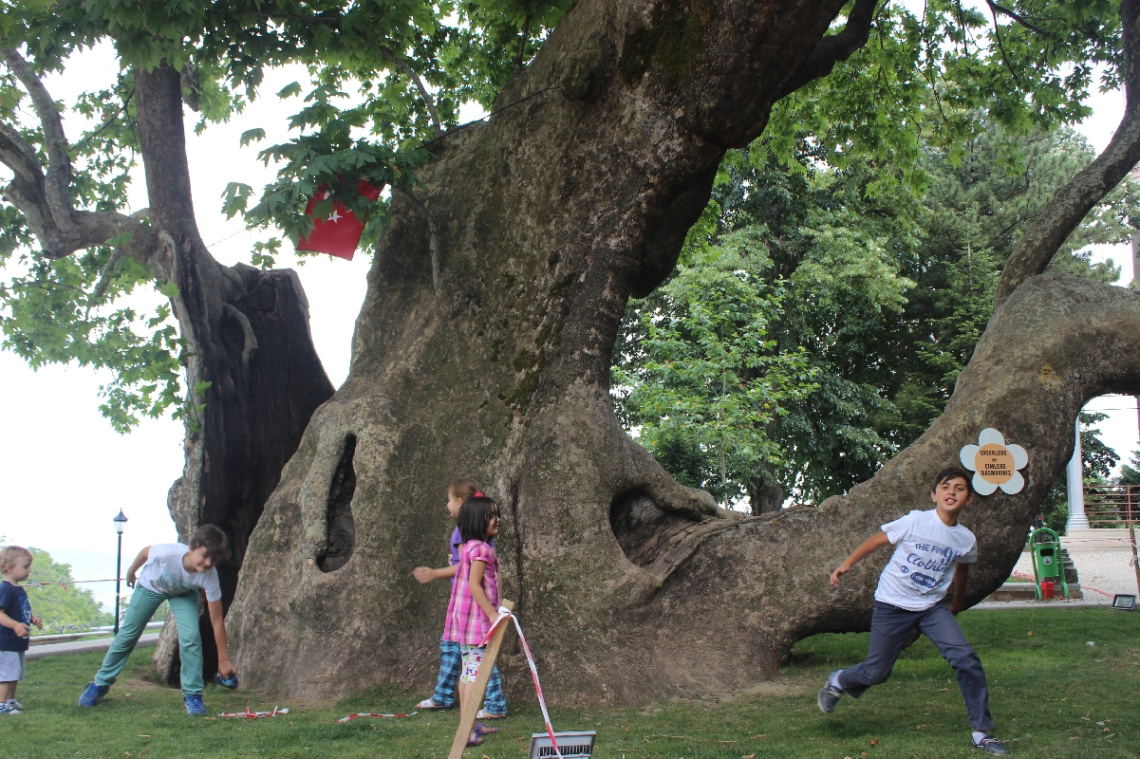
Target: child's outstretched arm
pixel 961 576
pixel 144 554
pixel 225 667
pixel 427 574
pixel 869 546
pixel 477 592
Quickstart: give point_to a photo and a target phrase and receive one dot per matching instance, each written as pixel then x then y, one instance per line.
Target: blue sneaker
pixel 6 709
pixel 991 745
pixel 194 705
pixel 93 695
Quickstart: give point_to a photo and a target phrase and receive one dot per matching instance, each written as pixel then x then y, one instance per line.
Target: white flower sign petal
pixel 994 463
pixel 1014 484
pixel 990 436
pixel 967 456
pixel 983 486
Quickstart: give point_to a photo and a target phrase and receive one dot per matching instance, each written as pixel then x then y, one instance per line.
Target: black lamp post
pixel 120 523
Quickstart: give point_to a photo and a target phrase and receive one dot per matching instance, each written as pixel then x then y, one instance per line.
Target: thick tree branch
pixel 1052 226
pixel 835 47
pixel 58 178
pixel 44 198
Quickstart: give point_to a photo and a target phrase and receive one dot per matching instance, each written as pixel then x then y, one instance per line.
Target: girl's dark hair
pixel 951 473
pixel 217 546
pixel 474 517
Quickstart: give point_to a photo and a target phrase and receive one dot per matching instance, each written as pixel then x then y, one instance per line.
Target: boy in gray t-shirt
pixel 174 573
pixel 931 548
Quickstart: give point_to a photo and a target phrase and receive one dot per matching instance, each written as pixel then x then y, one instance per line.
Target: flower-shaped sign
pixel 995 463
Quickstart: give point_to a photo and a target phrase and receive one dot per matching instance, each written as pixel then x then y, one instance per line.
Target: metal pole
pixel 118 572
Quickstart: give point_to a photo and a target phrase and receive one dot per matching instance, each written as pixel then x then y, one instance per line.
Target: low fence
pixel 91 632
pixel 1112 505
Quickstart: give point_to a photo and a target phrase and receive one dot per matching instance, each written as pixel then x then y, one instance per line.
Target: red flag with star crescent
pixel 339 233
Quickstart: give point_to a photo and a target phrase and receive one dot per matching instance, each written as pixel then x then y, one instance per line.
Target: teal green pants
pixel 143 605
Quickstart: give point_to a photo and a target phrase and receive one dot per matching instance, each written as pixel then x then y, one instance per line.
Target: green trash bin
pixel 1048 562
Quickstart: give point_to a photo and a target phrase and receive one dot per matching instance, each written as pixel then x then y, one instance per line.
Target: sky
pixel 64 473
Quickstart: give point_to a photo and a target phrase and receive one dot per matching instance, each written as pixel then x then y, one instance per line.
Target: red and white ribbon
pixel 254 715
pixel 503 613
pixel 358 715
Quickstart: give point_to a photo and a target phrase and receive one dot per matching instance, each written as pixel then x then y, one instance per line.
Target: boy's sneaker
pixel 13 702
pixel 93 695
pixel 829 694
pixel 7 709
pixel 990 745
pixel 194 705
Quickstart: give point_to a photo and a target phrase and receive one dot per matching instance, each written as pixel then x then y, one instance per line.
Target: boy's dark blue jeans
pixel 890 629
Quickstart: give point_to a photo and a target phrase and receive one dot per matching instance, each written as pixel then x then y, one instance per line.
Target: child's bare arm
pixel 961 576
pixel 477 592
pixel 427 574
pixel 219 624
pixel 144 554
pixel 19 628
pixel 869 546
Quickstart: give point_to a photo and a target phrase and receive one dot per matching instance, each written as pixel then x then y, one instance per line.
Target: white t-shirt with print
pixel 163 573
pixel 922 566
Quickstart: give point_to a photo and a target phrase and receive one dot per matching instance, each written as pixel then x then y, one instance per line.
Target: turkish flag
pixel 339 234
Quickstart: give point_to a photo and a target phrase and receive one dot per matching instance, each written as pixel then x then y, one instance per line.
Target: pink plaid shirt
pixel 466 622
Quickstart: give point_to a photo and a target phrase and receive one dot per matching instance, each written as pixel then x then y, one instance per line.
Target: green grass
pixel 1052 695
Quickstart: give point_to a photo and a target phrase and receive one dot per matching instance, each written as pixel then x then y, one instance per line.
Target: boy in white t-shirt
pixel 174 573
pixel 931 548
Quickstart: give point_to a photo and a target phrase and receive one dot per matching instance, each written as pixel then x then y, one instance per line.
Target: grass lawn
pixel 1053 694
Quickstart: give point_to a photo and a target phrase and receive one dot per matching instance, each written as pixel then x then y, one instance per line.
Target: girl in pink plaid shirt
pixel 475 594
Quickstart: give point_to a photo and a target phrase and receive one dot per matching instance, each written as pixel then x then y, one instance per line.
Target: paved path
pixel 82 646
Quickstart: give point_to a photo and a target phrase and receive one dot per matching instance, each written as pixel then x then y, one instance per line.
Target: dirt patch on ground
pixel 139 685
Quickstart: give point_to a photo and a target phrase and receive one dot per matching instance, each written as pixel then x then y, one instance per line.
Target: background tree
pixel 1130 473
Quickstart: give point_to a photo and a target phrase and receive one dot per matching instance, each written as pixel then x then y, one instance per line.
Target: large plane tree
pixel 508 252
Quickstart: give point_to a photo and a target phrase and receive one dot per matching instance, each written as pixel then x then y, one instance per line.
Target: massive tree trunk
pixel 483 350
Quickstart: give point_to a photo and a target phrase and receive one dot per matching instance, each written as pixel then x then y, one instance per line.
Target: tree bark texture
pixel 483 349
pixel 253 376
